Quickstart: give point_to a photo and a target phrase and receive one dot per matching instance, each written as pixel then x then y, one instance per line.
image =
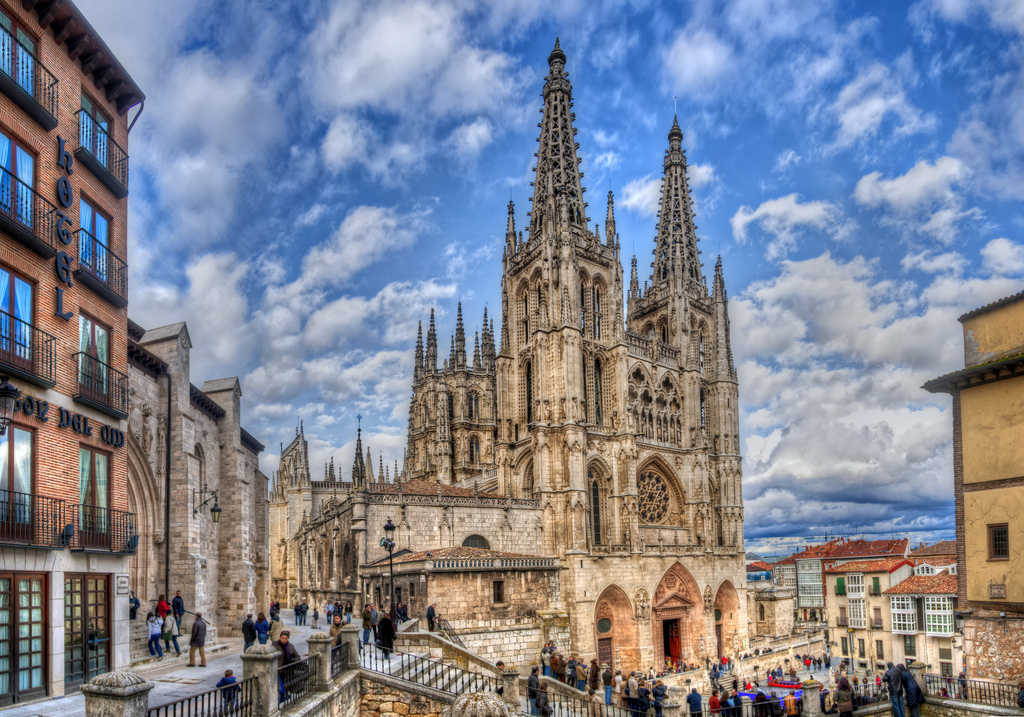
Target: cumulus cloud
pixel 785 218
pixel 696 61
pixel 788 158
pixel 643 195
pixel 872 97
pixel 1003 257
pixel 924 199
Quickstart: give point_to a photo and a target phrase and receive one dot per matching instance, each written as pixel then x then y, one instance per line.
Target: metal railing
pixel 339 659
pixel 876 624
pixel 26 210
pixel 298 679
pixel 30 519
pixel 867 693
pixel 94 139
pixel 426 672
pixel 105 529
pixel 20 64
pixel 235 700
pixel 27 349
pixel 449 631
pixel 842 621
pixel 101 384
pixel 565 704
pixel 96 259
pixel 989 693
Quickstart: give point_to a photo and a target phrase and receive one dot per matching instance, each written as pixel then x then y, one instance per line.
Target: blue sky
pixel 308 179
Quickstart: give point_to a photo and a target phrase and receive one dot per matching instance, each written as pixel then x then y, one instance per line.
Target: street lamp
pixel 849 631
pixel 8 396
pixel 215 511
pixel 388 543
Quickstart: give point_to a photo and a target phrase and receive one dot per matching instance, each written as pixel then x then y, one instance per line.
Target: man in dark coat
pixel 178 608
pixel 531 689
pixel 915 698
pixel 248 632
pixel 431 617
pixel 894 678
pixel 133 606
pixel 692 701
pixel 386 634
pixel 197 641
pixel 288 655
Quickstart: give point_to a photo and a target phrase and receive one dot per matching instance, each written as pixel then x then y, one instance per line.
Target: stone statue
pixel 642 605
pixel 573 409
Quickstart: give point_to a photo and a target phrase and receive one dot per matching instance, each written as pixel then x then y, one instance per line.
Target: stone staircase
pixel 138 644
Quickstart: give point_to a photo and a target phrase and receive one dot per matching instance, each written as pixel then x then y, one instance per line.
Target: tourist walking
pixel 894 681
pixel 248 632
pixel 606 681
pixel 289 655
pixel 532 683
pixel 431 616
pixel 329 611
pixel 262 629
pixel 227 695
pixel 197 641
pixel 367 625
pixel 162 608
pixel 154 623
pixel 170 635
pixel 178 608
pixel 316 617
pixel 386 636
pixel 348 612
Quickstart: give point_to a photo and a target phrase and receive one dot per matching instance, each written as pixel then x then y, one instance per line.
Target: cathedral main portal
pixel 677 617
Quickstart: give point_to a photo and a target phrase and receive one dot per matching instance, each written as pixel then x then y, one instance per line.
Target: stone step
pixel 147 661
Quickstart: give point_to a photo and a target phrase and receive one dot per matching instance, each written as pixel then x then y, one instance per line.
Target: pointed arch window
pixel 586 380
pixel 595 510
pixel 597 312
pixel 598 391
pixel 583 308
pixel 700 353
pixel 703 409
pixel 529 393
pixel 664 333
pixel 473 405
pixel 474 450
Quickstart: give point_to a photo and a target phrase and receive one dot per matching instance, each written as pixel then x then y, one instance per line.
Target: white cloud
pixel 788 158
pixel 923 199
pixel 1002 14
pixel 643 195
pixel 312 215
pixel 470 139
pixel 932 263
pixel 696 61
pixel 1003 257
pixel 785 218
pixel 701 175
pixel 348 140
pixel 868 100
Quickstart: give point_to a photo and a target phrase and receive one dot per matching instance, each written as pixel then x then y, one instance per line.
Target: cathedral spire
pixel 358 467
pixel 476 351
pixel 380 470
pixel 558 186
pixel 431 365
pixel 331 475
pixel 676 258
pixel 417 368
pixel 460 341
pixel 634 281
pixel 609 222
pixel 369 467
pixel 719 288
pixel 510 232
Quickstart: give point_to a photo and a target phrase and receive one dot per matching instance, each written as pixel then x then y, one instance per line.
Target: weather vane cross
pixel 675 104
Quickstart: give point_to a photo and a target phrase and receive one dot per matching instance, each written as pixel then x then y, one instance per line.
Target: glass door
pixel 22 638
pixel 86 628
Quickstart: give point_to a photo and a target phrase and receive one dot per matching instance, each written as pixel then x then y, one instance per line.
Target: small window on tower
pixel 498 593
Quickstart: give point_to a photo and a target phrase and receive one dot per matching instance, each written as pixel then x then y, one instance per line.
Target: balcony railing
pixel 102 529
pixel 101 155
pixel 101 386
pixel 102 270
pixel 842 622
pixel 876 624
pixel 27 82
pixel 26 216
pixel 989 693
pixel 30 519
pixel 27 352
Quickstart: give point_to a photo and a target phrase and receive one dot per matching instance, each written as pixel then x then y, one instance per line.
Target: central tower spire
pixel 558 188
pixel 676 259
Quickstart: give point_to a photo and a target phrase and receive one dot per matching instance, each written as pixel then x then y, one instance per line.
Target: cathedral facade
pixel 607 434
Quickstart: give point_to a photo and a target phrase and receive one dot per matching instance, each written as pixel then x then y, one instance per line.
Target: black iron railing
pixel 27 350
pixel 563 702
pixel 30 519
pixel 105 529
pixel 235 700
pixel 105 155
pixel 102 265
pixel 298 679
pixel 866 693
pixel 449 632
pixel 989 693
pixel 25 215
pixel 426 672
pixel 339 659
pixel 101 385
pixel 27 81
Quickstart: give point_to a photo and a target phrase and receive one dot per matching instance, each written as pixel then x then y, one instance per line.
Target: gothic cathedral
pixel 624 428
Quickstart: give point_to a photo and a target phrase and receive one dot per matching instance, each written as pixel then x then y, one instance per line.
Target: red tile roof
pixel 943 547
pixel 941 584
pixel 937 560
pixel 459 553
pixel 886 565
pixel 758 566
pixel 871 548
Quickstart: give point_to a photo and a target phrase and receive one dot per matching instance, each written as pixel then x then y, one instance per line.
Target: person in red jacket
pixel 715 704
pixel 162 608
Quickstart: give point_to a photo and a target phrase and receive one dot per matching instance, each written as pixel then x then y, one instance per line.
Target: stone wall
pixel 992 646
pixel 377 699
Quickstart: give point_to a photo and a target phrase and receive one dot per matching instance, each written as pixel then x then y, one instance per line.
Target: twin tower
pixel 579 398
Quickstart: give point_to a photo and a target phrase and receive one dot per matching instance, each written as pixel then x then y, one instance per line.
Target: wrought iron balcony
pixel 101 155
pixel 27 352
pixel 101 386
pixel 102 529
pixel 30 519
pixel 102 270
pixel 26 216
pixel 27 82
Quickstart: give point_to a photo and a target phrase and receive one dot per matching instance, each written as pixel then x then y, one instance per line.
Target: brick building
pixel 66 531
pixel 988 485
pixel 605 436
pixel 187 441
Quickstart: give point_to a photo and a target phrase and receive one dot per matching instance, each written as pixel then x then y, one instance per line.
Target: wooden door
pixel 604 651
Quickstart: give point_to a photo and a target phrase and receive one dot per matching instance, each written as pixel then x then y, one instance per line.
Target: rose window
pixel 653 498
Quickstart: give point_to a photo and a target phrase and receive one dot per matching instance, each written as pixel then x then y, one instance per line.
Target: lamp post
pixel 388 543
pixel 8 396
pixel 849 631
pixel 215 511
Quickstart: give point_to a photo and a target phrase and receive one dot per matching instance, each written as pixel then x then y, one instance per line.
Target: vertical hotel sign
pixel 65 195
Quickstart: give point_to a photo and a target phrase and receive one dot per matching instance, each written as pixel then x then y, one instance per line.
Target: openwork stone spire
pixel 358 466
pixel 675 252
pixel 558 187
pixel 431 361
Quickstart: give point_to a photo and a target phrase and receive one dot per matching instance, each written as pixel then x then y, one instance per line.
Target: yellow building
pixel 988 483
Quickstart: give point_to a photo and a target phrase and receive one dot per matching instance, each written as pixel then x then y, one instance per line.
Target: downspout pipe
pixel 167 492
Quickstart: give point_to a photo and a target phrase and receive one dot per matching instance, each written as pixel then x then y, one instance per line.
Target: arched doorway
pixel 616 630
pixel 144 501
pixel 676 618
pixel 727 612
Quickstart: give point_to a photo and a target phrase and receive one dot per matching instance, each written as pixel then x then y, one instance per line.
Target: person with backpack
pixel 894 681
